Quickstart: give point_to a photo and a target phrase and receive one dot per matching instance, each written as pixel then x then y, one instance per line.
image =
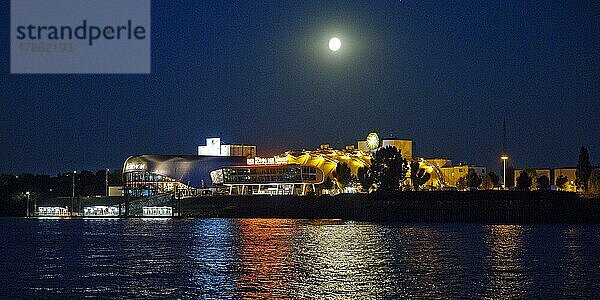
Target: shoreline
pixel 494 207
pixel 441 207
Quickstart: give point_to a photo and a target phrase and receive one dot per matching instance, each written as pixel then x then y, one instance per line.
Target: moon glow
pixel 335 44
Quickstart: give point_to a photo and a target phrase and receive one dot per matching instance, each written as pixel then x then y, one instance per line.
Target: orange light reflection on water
pixel 505 271
pixel 264 246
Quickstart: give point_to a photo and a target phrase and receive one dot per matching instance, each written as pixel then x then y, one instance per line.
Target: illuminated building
pixel 101 211
pixel 552 175
pixel 214 147
pixel 372 143
pixel 534 174
pixel 453 173
pixel 157 211
pixel 235 169
pixel 147 175
pixel 570 186
pixel 52 211
pixel 283 179
pixel 326 159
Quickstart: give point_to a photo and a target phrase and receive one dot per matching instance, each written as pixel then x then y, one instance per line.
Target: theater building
pixel 148 175
pixel 236 170
pixel 282 179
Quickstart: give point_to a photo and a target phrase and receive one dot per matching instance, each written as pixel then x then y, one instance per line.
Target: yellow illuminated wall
pixel 538 173
pixel 570 174
pixel 326 160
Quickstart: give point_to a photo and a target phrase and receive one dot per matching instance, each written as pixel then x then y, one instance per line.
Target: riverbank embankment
pixel 443 206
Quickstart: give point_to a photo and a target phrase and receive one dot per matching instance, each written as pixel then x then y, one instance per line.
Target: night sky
pixel 442 73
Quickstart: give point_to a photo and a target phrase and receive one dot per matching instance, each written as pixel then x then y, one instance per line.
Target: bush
pixel 561 181
pixel 473 180
pixel 594 182
pixel 543 183
pixel 523 181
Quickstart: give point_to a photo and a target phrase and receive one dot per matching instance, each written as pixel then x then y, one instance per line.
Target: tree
pixel 543 183
pixel 364 179
pixel 486 182
pixel 461 183
pixel 327 184
pixel 523 181
pixel 510 176
pixel 473 180
pixel 584 169
pixel 387 169
pixel 533 175
pixel 594 182
pixel 414 169
pixel 343 175
pixel 115 177
pixel 561 181
pixel 494 178
pixel 418 175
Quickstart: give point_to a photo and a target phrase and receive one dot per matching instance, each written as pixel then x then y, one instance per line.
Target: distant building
pixel 52 211
pixel 453 173
pixel 552 174
pixel 101 211
pixel 405 146
pixel 115 191
pixel 157 211
pixel 214 147
pixel 570 174
pixel 538 173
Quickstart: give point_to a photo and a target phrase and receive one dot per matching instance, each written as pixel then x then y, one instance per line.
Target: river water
pixel 281 258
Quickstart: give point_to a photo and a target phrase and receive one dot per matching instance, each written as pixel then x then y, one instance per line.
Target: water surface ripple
pixel 280 258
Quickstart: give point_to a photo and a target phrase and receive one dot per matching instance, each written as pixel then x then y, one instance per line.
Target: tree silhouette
pixel 494 178
pixel 543 183
pixel 364 179
pixel 561 180
pixel 510 176
pixel 594 182
pixel 327 184
pixel 584 169
pixel 418 175
pixel 523 181
pixel 387 169
pixel 486 182
pixel 343 175
pixel 473 180
pixel 533 175
pixel 461 183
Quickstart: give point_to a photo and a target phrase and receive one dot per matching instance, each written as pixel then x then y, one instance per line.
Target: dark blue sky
pixel 442 73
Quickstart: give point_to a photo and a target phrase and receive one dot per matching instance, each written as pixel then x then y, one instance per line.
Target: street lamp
pixel 73 194
pixel 504 159
pixel 106 181
pixel 27 193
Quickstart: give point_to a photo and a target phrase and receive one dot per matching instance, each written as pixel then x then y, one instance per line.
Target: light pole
pixel 504 159
pixel 106 181
pixel 27 193
pixel 73 194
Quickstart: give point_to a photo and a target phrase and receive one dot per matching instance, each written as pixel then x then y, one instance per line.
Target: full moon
pixel 335 44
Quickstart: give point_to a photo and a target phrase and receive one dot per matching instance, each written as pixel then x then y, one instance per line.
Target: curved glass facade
pixel 147 175
pixel 292 179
